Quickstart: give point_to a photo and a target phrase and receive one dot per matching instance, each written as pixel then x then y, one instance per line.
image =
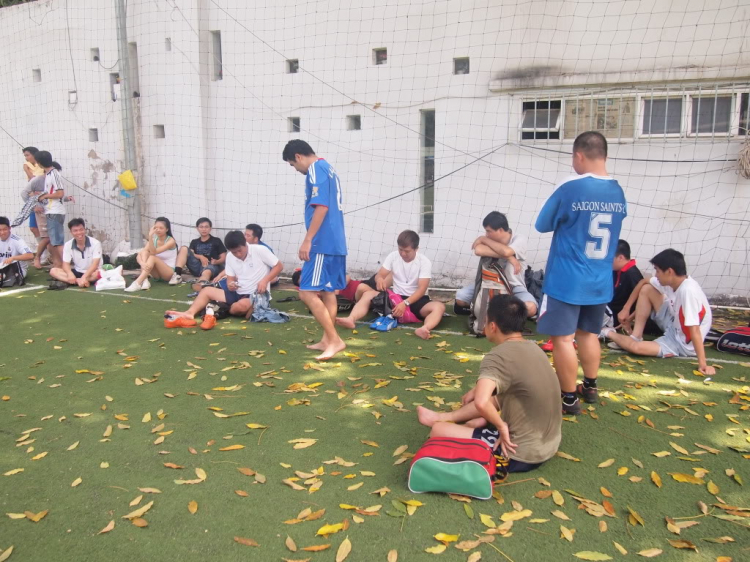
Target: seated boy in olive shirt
pixel 517 379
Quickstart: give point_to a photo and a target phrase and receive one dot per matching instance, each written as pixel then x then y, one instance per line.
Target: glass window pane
pixel 540 119
pixel 744 114
pixel 662 116
pixel 711 114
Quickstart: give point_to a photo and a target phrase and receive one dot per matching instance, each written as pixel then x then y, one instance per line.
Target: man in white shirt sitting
pixel 678 305
pixel 411 272
pixel 81 259
pixel 14 255
pixel 250 268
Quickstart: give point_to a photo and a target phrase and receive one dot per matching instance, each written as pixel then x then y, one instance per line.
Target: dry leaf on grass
pixel 592 556
pixel 344 549
pixel 108 528
pixel 246 542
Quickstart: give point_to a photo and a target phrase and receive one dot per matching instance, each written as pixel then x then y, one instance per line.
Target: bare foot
pixel 478 422
pixel 427 417
pixel 37 263
pixel 320 346
pixel 346 323
pixel 423 333
pixel 331 350
pixel 178 314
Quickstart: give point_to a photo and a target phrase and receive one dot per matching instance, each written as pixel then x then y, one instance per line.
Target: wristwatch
pixel 407 303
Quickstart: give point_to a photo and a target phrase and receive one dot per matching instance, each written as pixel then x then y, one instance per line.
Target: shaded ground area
pixel 99 371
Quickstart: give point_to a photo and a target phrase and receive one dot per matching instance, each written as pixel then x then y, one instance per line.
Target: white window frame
pixel 738 103
pixel 642 98
pixel 558 124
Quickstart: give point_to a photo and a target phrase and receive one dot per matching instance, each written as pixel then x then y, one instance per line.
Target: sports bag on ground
pixel 736 340
pixel 490 281
pixel 12 275
pixel 453 466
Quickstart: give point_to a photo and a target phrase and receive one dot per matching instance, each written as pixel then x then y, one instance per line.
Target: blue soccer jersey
pixel 586 214
pixel 322 187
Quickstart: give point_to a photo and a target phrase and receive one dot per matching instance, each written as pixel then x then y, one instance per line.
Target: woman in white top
pixel 157 259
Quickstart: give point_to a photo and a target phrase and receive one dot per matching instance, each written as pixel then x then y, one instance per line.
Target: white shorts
pixel 671 344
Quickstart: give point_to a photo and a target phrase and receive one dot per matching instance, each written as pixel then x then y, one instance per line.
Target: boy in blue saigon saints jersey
pixel 585 213
pixel 323 251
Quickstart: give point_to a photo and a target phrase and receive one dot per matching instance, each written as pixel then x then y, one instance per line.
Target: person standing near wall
pixel 32 170
pixel 323 251
pixel 54 209
pixel 585 213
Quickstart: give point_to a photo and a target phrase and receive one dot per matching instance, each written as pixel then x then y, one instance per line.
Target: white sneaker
pixel 175 279
pixel 605 332
pixel 146 284
pixel 134 286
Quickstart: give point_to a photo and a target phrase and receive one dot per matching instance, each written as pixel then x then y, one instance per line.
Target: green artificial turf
pixel 47 336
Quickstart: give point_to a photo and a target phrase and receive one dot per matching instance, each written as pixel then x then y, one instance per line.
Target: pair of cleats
pixel 209 321
pixel 589 395
pixel 135 286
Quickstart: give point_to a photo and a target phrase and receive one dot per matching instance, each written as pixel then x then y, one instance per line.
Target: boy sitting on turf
pixel 409 272
pixel 517 379
pixel 250 270
pixel 14 256
pixel 204 257
pixel 678 305
pixel 82 258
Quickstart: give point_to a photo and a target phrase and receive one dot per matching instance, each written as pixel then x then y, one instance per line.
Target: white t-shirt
pixel 406 276
pixel 14 246
pixel 689 307
pixel 52 184
pixel 250 271
pixel 80 261
pixel 518 244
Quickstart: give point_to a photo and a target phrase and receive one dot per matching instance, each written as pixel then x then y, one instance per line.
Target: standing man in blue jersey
pixel 323 250
pixel 585 213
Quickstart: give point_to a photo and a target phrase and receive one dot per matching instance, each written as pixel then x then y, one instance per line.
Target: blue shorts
pixel 32 220
pixel 56 229
pixel 196 268
pixel 323 273
pixel 557 318
pixel 231 297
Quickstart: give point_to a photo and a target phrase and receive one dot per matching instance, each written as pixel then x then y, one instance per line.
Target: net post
pixel 133 202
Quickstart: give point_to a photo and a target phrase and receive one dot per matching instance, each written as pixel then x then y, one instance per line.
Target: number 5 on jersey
pixel 598 248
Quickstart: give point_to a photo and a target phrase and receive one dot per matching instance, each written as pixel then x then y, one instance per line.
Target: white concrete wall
pixel 222 153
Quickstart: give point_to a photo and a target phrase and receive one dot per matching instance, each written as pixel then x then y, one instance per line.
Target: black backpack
pixel 12 275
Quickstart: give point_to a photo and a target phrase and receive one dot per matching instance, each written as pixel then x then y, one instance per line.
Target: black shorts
pixel 77 273
pixel 489 434
pixel 416 307
pixel 371 283
pixel 231 297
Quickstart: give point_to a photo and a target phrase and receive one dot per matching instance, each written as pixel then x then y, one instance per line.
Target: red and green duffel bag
pixel 454 466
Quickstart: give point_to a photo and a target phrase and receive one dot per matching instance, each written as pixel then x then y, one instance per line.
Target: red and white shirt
pixel 689 307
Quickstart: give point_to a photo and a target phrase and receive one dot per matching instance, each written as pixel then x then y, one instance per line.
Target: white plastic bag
pixel 111 279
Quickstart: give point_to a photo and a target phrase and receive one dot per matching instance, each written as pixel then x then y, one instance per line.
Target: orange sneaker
pixel 209 321
pixel 179 322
